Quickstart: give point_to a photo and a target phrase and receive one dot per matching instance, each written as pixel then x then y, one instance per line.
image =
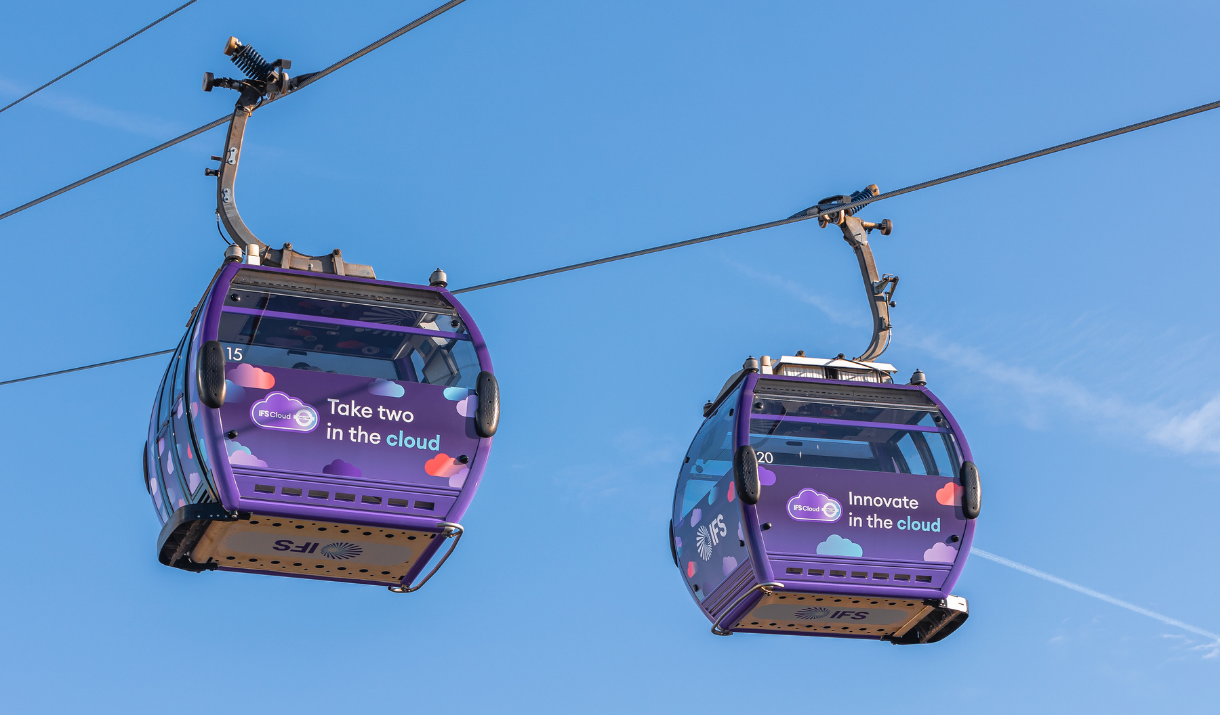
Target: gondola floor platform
pixel 896 619
pixel 311 548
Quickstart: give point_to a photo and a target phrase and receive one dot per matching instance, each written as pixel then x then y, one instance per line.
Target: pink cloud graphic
pixel 247 375
pixel 444 466
pixel 941 553
pixel 765 476
pixel 342 469
pixel 950 494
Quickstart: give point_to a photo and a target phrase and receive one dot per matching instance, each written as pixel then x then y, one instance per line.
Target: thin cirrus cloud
pixel 1189 431
pixel 836 315
pixel 86 111
pixel 1211 649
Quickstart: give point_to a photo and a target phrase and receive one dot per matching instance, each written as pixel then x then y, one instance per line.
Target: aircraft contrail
pixel 1090 592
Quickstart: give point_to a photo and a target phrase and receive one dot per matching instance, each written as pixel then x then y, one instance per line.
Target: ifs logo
pixel 812 505
pixel 340 550
pixel 817 614
pixel 279 411
pixel 709 535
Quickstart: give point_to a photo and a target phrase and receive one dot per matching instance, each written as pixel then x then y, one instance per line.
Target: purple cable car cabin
pixel 820 499
pixel 319 427
pixel 315 422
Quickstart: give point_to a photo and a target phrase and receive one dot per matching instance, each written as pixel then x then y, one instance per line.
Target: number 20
pixel 765 458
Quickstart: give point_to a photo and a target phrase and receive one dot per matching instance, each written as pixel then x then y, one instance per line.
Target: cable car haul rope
pixel 318 422
pixel 805 215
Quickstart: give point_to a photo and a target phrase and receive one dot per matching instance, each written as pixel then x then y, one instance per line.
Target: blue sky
pixel 1059 307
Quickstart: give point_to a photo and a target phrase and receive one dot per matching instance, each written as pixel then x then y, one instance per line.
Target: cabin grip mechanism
pixel 265 82
pixel 880 288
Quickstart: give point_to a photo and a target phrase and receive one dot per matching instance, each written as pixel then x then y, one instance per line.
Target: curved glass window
pixel 403 353
pixel 850 412
pixel 880 448
pixel 707 519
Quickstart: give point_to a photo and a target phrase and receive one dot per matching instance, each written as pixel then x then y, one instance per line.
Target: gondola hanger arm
pixel 880 288
pixel 264 82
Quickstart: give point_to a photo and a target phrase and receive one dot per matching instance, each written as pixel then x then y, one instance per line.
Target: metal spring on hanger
pixel 865 193
pixel 252 63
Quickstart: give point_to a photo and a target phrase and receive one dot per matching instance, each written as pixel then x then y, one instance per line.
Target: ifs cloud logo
pixel 278 411
pixel 812 505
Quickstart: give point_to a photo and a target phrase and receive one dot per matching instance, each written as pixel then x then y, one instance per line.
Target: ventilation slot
pixel 902 577
pixel 816 572
pixel 838 574
pixel 290 491
pixel 792 570
pixel 400 503
pixel 859 574
pixel 881 576
pixel 924 579
pixel 370 500
pixel 264 488
pixel 315 494
pixel 345 497
pixel 425 505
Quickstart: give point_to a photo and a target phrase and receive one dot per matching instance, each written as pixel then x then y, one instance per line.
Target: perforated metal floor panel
pixel 839 615
pixel 313 548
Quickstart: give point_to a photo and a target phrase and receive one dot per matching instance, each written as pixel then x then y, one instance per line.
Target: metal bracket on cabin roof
pixel 265 81
pixel 880 288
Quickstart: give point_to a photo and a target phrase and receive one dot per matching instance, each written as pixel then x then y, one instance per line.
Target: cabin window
pixel 833 410
pixel 308 322
pixel 416 355
pixel 707 516
pixel 880 448
pixel 709 458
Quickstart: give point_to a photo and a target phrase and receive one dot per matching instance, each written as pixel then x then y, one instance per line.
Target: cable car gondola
pixel 315 422
pixel 820 498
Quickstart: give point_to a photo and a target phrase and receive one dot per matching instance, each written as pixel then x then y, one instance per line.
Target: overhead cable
pixel 812 212
pixel 89 367
pixel 805 215
pixel 149 26
pixel 212 125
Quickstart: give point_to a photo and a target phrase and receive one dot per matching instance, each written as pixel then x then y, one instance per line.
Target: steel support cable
pixel 133 35
pixel 801 216
pixel 212 125
pixel 811 212
pixel 89 367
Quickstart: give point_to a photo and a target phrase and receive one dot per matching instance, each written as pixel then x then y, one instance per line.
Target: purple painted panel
pixel 346 426
pixel 861 515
